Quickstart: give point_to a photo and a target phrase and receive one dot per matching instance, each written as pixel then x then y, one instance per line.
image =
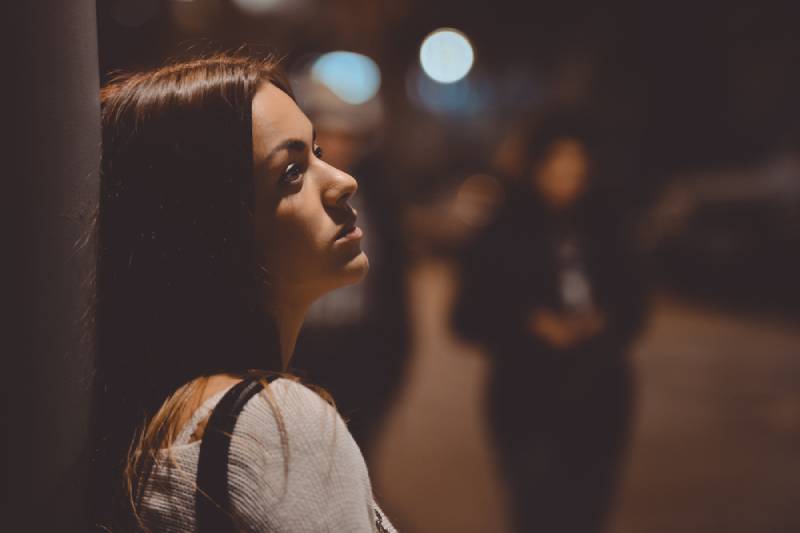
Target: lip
pixel 350 233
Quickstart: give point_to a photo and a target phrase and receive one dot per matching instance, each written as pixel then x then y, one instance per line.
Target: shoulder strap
pixel 212 502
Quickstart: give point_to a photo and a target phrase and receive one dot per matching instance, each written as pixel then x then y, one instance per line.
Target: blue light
pixel 446 55
pixel 465 97
pixel 352 77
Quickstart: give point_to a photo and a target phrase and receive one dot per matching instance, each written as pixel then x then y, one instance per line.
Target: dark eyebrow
pixel 292 145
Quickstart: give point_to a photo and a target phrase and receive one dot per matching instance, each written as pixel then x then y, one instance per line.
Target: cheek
pixel 295 248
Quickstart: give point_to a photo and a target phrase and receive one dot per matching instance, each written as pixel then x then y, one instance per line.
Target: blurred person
pixel 219 223
pixel 365 326
pixel 550 289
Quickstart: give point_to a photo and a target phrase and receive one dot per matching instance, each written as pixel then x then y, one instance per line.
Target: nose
pixel 339 188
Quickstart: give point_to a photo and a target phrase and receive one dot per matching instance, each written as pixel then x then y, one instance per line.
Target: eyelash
pixel 294 171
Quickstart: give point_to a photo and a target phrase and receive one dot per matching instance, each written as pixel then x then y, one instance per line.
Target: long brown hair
pixel 175 279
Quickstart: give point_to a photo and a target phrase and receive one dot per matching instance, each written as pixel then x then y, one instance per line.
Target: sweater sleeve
pixel 294 467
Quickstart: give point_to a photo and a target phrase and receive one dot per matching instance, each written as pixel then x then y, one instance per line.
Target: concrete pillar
pixel 51 186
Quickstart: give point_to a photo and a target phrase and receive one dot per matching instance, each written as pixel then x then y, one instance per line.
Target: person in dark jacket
pixel 550 289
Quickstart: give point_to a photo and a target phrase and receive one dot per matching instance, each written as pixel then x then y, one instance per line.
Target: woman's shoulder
pixel 290 416
pixel 284 402
pixel 288 402
pixel 291 453
pixel 290 391
pixel 289 429
pixel 292 464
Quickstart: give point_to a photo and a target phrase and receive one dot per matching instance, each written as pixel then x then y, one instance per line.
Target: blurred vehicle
pixel 732 236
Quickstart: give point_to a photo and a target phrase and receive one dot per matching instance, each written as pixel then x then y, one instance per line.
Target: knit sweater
pixel 314 480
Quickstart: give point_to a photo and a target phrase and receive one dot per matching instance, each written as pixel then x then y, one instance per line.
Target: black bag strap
pixel 212 501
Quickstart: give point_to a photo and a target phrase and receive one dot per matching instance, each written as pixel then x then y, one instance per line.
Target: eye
pixel 318 151
pixel 292 174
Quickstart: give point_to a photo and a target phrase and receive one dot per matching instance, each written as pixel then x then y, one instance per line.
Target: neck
pixel 289 317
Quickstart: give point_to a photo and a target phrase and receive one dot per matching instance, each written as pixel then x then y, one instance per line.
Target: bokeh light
pixel 354 78
pixel 257 7
pixel 446 55
pixel 461 98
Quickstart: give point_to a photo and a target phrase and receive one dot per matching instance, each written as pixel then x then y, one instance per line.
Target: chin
pixel 356 269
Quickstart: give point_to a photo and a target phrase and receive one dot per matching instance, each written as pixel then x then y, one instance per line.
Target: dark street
pixel 715 446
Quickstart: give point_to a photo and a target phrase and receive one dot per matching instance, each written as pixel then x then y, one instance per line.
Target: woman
pixel 219 224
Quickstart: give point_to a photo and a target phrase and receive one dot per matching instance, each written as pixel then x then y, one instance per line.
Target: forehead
pixel 276 118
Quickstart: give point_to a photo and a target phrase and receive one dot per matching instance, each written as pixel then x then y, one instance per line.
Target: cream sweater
pixel 315 481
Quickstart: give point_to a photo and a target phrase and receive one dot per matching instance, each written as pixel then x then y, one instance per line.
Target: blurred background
pixel 674 258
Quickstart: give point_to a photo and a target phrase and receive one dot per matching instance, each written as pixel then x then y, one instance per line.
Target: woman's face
pixel 307 240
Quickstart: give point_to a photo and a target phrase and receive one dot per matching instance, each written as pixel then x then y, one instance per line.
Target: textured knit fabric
pixel 312 480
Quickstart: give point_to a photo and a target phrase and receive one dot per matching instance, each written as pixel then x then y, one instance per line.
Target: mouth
pixel 349 232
